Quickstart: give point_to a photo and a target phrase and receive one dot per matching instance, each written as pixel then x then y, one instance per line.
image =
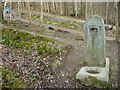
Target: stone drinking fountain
pixel 96 69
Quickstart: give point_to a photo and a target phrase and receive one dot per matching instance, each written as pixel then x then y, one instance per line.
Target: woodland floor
pixel 62 76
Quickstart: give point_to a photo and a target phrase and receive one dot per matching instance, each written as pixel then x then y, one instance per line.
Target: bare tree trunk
pixel 107 12
pixel 68 13
pixel 76 9
pixel 53 3
pixel 45 6
pixel 48 7
pixel 11 9
pixel 34 6
pixel 100 8
pixel 61 11
pixel 41 16
pixel 29 12
pixel 19 9
pixel 86 11
pixel 4 12
pixel 91 11
pixel 117 23
pixel 56 7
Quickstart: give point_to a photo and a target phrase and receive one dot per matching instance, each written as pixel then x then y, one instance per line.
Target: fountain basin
pixel 90 75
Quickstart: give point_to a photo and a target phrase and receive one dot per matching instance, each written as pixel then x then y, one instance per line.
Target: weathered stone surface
pixel 94 41
pixel 94 75
pixel 96 71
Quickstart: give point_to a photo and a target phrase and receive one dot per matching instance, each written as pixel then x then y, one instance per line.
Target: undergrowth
pixel 11 79
pixel 23 40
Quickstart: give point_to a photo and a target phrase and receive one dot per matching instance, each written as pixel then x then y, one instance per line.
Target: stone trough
pixel 99 73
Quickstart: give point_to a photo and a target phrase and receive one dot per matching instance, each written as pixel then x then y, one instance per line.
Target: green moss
pixel 10 79
pixel 4 22
pixel 22 14
pixel 63 24
pixel 37 18
pixel 95 82
pixel 114 32
pixel 85 63
pixel 107 46
pixel 45 20
pixel 78 38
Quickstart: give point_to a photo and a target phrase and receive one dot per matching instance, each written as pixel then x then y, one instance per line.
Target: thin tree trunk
pixel 4 12
pixel 76 9
pixel 117 23
pixel 86 13
pixel 61 11
pixel 107 12
pixel 29 12
pixel 91 11
pixel 19 9
pixel 11 9
pixel 45 6
pixel 100 8
pixel 41 16
pixel 48 7
pixel 53 6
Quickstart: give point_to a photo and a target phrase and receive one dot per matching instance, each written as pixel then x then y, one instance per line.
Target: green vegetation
pixel 37 18
pixel 10 79
pixel 18 39
pixel 4 21
pixel 1 12
pixel 56 62
pixel 77 37
pixel 24 15
pixel 63 24
pixel 114 32
pixel 46 20
pixel 72 26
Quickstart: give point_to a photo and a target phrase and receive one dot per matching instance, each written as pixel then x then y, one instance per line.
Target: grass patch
pixel 37 18
pixel 46 20
pixel 78 37
pixel 72 26
pixel 63 24
pixel 24 15
pixel 23 40
pixel 10 79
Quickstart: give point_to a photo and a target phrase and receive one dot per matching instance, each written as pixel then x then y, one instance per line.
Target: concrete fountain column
pixel 96 70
